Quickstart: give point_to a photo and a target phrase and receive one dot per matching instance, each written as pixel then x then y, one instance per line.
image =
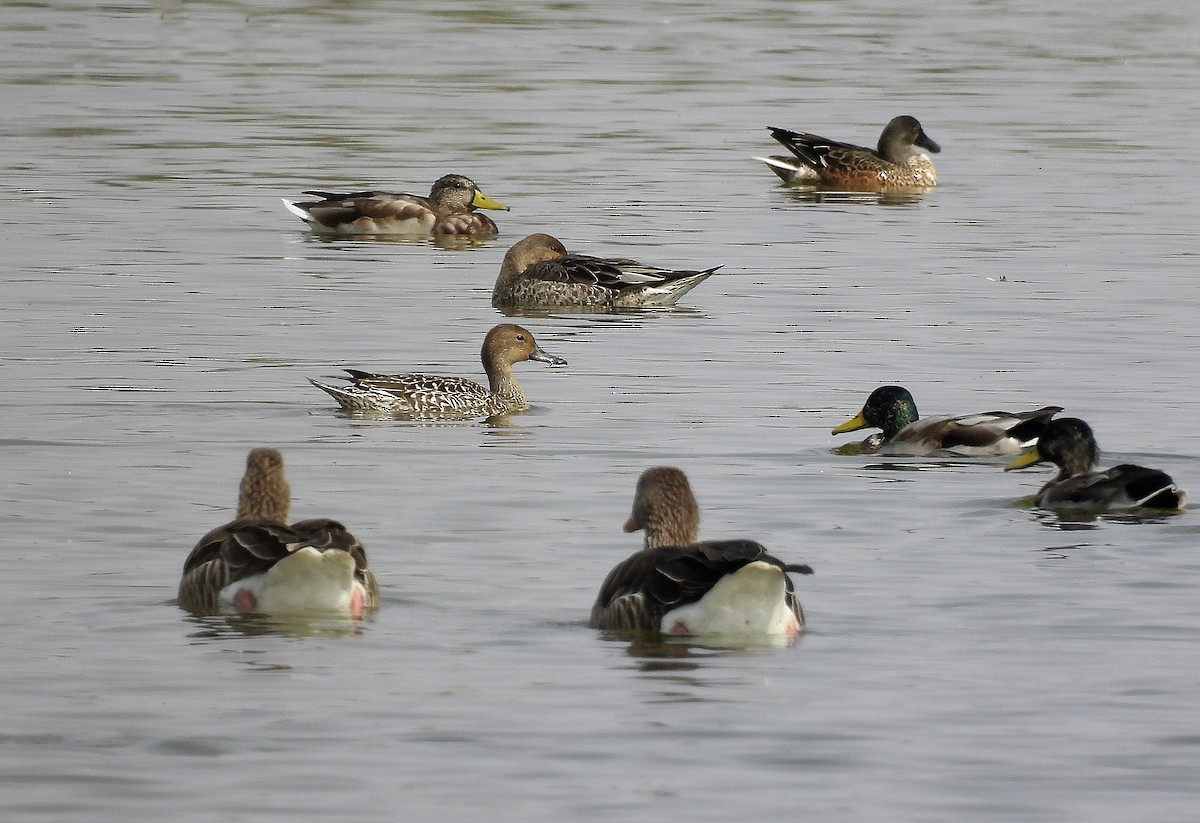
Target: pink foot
pixel 245 601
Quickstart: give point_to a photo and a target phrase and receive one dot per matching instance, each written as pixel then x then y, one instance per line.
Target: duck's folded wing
pixel 812 148
pixel 339 208
pixel 229 553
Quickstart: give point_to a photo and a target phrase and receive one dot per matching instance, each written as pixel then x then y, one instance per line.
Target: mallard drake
pixel 429 397
pixel 538 271
pixel 986 434
pixel 895 164
pixel 681 586
pixel 449 209
pixel 258 563
pixel 1068 443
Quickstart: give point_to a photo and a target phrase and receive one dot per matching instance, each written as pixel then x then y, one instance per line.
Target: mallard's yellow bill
pixel 1027 459
pixel 857 423
pixel 482 201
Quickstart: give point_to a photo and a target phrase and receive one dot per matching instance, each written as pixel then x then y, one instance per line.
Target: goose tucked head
pixel 664 506
pixel 264 492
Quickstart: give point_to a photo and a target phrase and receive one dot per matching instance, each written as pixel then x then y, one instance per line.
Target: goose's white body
pixel 306 581
pixel 751 602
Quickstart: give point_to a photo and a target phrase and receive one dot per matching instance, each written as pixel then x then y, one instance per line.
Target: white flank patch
pixel 307 581
pixel 749 603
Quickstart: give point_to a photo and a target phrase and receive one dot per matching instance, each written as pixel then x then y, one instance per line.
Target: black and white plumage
pixel 680 585
pixel 259 563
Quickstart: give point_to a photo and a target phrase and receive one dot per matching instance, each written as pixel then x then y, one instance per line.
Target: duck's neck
pixel 503 383
pixel 265 498
pixel 1074 464
pixel 666 531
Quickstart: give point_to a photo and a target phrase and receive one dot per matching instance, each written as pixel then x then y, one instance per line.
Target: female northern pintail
pixel 538 271
pixel 895 164
pixel 448 210
pixel 433 397
pixel 259 563
pixel 1069 444
pixel 892 409
pixel 681 586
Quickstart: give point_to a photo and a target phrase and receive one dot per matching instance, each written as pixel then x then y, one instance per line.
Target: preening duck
pixel 448 210
pixel 1070 444
pixel 680 585
pixel 538 271
pixel 420 396
pixel 985 434
pixel 259 563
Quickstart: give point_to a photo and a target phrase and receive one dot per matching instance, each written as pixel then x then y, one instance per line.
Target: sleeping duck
pixel 986 434
pixel 679 585
pixel 259 563
pixel 1069 444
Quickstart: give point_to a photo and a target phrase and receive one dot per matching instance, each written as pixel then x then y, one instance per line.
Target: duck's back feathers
pixel 1126 486
pixel 416 394
pixel 538 271
pixel 984 434
pixel 641 591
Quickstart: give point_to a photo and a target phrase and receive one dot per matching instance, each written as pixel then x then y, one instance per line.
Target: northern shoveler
pixel 1069 444
pixel 433 397
pixel 538 271
pixel 448 210
pixel 895 164
pixel 680 586
pixel 259 563
pixel 986 434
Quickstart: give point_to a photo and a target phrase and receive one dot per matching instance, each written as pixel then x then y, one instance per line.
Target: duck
pixel 1070 444
pixel 894 164
pixel 420 396
pixel 448 210
pixel 538 271
pixel 259 563
pixel 679 585
pixel 985 434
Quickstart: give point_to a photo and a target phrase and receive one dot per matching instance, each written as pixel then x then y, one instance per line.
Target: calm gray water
pixel 967 659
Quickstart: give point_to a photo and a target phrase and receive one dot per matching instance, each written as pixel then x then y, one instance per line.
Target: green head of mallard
pixel 889 408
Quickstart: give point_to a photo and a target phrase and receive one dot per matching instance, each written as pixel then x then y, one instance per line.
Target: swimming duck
pixel 895 164
pixel 258 563
pixel 538 271
pixel 433 397
pixel 987 434
pixel 1069 444
pixel 449 209
pixel 681 586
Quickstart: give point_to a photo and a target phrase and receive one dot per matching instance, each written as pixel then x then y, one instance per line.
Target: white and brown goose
pixel 259 563
pixel 680 585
